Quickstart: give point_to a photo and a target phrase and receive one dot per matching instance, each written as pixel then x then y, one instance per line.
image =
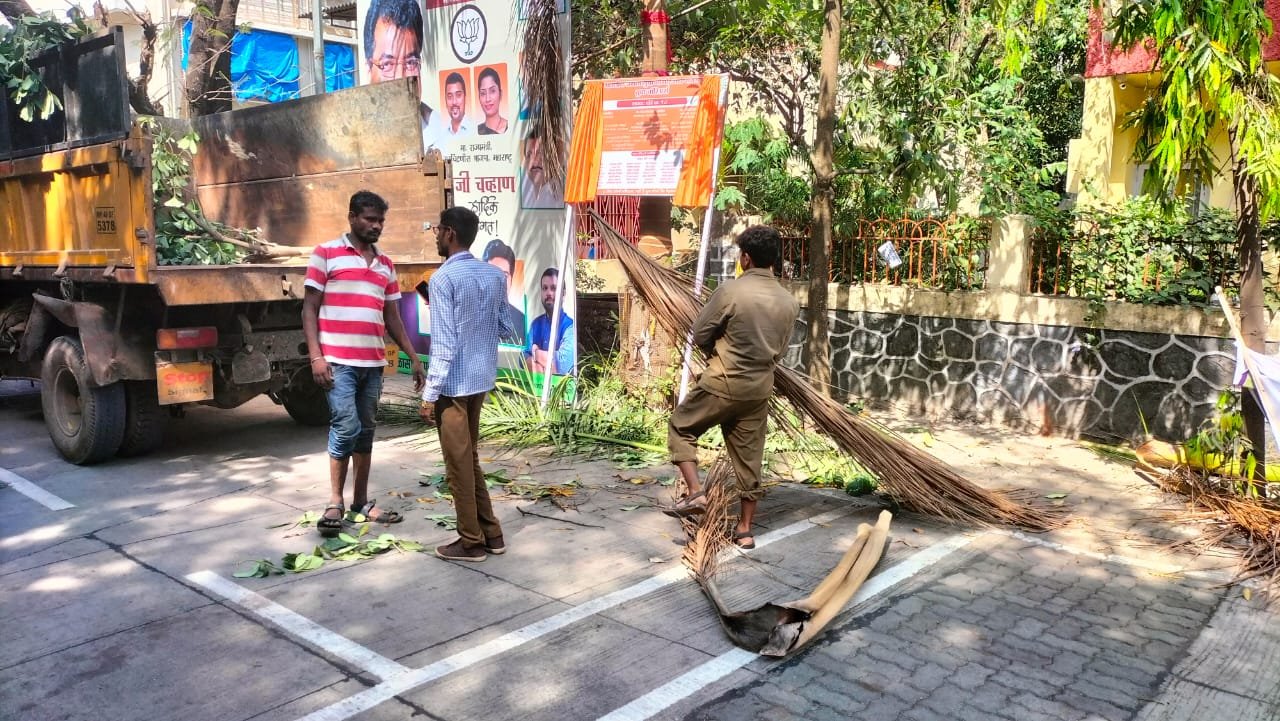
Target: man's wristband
pixel 424 403
pixel 313 360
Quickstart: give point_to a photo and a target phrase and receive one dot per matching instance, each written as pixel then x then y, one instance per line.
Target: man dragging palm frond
pixel 744 330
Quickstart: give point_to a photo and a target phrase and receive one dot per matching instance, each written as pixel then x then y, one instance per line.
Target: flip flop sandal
pixel 330 527
pixel 687 506
pixel 739 535
pixel 383 517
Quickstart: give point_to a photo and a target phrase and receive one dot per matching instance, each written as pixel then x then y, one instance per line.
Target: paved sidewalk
pixel 123 605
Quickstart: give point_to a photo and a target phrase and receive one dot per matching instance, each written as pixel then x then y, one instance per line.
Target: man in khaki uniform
pixel 744 329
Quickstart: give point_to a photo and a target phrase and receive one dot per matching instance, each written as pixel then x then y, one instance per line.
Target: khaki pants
pixel 743 423
pixel 458 421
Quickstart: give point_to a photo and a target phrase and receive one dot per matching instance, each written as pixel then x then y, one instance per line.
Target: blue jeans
pixel 353 402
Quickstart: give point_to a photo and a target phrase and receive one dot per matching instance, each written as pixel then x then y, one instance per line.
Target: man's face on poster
pixel 503 265
pixel 395 53
pixel 549 285
pixel 533 171
pixel 455 99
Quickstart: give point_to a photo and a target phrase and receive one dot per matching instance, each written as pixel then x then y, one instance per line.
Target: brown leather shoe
pixel 461 551
pixel 495 546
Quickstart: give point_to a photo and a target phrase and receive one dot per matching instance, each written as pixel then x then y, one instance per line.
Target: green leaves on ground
pixel 343 547
pixel 446 520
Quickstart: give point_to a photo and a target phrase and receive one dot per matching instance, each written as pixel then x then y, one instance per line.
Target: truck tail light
pixel 180 338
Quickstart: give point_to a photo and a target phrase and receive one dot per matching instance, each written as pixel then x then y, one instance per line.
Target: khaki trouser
pixel 458 420
pixel 743 423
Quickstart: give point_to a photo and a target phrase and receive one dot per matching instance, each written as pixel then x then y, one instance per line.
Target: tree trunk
pixel 817 345
pixel 1253 311
pixel 647 349
pixel 13 10
pixel 139 96
pixel 207 85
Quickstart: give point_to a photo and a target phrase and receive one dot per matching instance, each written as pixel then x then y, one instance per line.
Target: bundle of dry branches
pixel 1256 519
pixel 915 479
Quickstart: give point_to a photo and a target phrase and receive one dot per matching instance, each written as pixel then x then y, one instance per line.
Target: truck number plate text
pixel 106 220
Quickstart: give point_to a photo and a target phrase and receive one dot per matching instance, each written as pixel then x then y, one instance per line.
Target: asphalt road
pixel 121 603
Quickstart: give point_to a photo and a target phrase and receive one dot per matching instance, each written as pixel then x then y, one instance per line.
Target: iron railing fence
pixel 936 253
pixel 1084 262
pixel 620 211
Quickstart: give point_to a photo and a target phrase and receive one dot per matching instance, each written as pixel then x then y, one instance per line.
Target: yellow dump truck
pixel 121 342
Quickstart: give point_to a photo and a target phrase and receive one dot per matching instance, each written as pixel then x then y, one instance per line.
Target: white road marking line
pixel 34 492
pixel 390 688
pixel 689 683
pixel 300 626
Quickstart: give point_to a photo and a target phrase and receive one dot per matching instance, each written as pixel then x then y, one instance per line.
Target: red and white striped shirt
pixel 351 324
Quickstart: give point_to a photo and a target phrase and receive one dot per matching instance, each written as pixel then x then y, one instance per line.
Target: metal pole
pixel 317 43
pixel 566 273
pixel 701 273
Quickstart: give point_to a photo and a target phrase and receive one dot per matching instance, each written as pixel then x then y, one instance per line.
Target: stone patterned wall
pixel 1052 379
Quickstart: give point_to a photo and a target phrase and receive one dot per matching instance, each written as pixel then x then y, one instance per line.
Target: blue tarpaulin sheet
pixel 264 65
pixel 339 67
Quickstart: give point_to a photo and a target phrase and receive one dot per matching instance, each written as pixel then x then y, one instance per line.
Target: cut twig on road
pixel 524 512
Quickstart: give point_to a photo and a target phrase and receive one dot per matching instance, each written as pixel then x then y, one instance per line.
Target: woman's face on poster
pixel 490 95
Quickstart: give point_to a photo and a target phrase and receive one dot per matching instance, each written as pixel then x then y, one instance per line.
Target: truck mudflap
pixel 114 350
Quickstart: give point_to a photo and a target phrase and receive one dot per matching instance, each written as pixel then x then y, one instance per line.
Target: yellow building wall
pixel 1101 168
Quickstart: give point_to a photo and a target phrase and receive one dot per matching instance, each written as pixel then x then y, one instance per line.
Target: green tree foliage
pixel 28 37
pixel 1212 77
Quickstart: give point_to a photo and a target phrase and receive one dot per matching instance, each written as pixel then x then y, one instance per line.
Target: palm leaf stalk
pixel 543 72
pixel 913 478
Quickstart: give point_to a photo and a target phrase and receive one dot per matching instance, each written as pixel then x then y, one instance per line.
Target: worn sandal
pixel 739 535
pixel 330 527
pixel 687 506
pixel 386 517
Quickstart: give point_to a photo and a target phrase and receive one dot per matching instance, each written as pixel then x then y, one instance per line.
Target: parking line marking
pixel 300 626
pixel 34 492
pixel 689 683
pixel 389 689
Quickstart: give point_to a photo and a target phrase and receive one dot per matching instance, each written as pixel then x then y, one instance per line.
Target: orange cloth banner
pixel 585 145
pixel 652 136
pixel 694 188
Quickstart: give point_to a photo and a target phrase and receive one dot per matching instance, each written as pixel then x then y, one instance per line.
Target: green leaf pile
pixel 343 547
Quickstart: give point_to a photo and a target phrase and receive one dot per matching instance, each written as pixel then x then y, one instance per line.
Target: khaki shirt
pixel 745 328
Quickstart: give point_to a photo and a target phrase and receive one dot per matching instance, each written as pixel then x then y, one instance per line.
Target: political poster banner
pixel 466 55
pixel 647 127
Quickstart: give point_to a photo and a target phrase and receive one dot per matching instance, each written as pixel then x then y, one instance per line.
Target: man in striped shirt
pixel 468 299
pixel 350 303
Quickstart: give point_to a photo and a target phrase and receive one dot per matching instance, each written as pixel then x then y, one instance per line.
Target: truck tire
pixel 306 402
pixel 85 423
pixel 143 419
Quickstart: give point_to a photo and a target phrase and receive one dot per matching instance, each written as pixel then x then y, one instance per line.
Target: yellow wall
pixel 1100 164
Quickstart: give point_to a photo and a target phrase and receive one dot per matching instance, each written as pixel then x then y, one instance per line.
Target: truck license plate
pixel 184 382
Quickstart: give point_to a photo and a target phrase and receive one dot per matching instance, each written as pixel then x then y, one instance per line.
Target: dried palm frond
pixel 543 72
pixel 774 629
pixel 1256 519
pixel 917 480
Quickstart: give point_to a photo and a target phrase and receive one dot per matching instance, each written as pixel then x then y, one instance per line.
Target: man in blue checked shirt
pixel 468 303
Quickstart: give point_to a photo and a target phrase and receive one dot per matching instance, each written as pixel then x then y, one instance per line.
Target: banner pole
pixel 562 284
pixel 701 273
